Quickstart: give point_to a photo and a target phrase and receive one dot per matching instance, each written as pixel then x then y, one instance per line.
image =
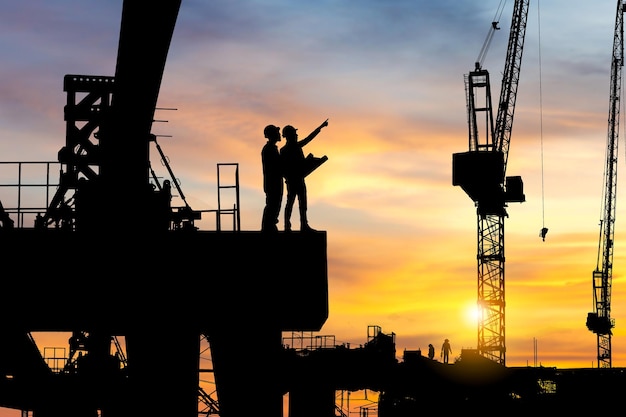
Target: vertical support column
pixel 243 359
pixel 163 366
pixel 312 400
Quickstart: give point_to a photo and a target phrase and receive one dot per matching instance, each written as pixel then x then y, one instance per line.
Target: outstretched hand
pixel 324 124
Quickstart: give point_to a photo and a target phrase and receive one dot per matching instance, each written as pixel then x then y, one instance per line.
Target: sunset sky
pixel 388 74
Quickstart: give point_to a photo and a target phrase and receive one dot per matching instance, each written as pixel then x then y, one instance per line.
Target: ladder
pixel 231 188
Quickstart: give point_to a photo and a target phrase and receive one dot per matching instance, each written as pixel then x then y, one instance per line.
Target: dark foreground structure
pixel 100 269
pixel 100 287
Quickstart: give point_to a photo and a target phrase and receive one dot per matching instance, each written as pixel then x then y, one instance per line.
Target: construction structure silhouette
pixel 84 264
pixel 105 218
pixel 481 173
pixel 599 321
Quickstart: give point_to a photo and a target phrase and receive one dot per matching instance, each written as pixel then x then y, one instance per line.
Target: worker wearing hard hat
pixel 446 350
pixel 293 162
pixel 272 179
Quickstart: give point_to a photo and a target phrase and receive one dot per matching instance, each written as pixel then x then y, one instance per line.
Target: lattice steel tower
pixel 599 321
pixel 481 173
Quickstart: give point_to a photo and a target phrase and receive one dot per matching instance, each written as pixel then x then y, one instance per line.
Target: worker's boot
pixel 288 210
pixel 304 223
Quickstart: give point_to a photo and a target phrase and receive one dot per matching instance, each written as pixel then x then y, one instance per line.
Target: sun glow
pixel 471 314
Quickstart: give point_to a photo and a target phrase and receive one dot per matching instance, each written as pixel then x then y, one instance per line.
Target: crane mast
pixel 481 173
pixel 599 321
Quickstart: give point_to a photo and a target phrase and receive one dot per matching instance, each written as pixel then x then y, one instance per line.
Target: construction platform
pixel 61 281
pixel 161 291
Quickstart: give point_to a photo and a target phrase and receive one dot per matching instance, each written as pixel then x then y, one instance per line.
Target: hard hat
pixel 270 129
pixel 289 130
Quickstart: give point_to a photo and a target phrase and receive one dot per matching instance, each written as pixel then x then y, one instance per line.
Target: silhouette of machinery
pixel 599 321
pixel 481 173
pixel 116 267
pixel 110 257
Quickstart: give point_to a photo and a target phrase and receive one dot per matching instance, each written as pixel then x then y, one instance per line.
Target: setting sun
pixel 471 313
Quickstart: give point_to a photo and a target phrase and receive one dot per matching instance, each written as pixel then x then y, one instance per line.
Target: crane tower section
pixel 481 173
pixel 599 321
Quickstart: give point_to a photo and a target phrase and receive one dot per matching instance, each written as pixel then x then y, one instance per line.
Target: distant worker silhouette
pixel 5 220
pixel 272 179
pixel 446 350
pixel 294 165
pixel 431 351
pixel 166 204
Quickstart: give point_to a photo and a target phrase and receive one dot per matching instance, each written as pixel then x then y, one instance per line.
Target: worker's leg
pixel 291 198
pixel 302 205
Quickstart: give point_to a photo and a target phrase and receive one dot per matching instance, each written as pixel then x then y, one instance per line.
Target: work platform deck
pixel 161 291
pixel 57 280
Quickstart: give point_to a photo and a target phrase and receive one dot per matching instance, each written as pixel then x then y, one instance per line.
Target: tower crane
pixel 481 171
pixel 599 321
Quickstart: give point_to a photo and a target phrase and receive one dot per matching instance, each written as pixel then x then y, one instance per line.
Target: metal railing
pixel 26 188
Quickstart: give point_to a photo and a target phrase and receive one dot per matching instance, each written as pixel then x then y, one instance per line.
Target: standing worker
pixel 294 166
pixel 446 350
pixel 272 179
pixel 431 351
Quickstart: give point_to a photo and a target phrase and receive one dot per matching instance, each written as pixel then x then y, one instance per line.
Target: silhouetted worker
pixel 166 204
pixel 431 351
pixel 272 179
pixel 5 220
pixel 294 167
pixel 446 350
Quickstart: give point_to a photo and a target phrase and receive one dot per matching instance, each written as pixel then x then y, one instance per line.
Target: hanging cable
pixel 544 229
pixel 492 29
